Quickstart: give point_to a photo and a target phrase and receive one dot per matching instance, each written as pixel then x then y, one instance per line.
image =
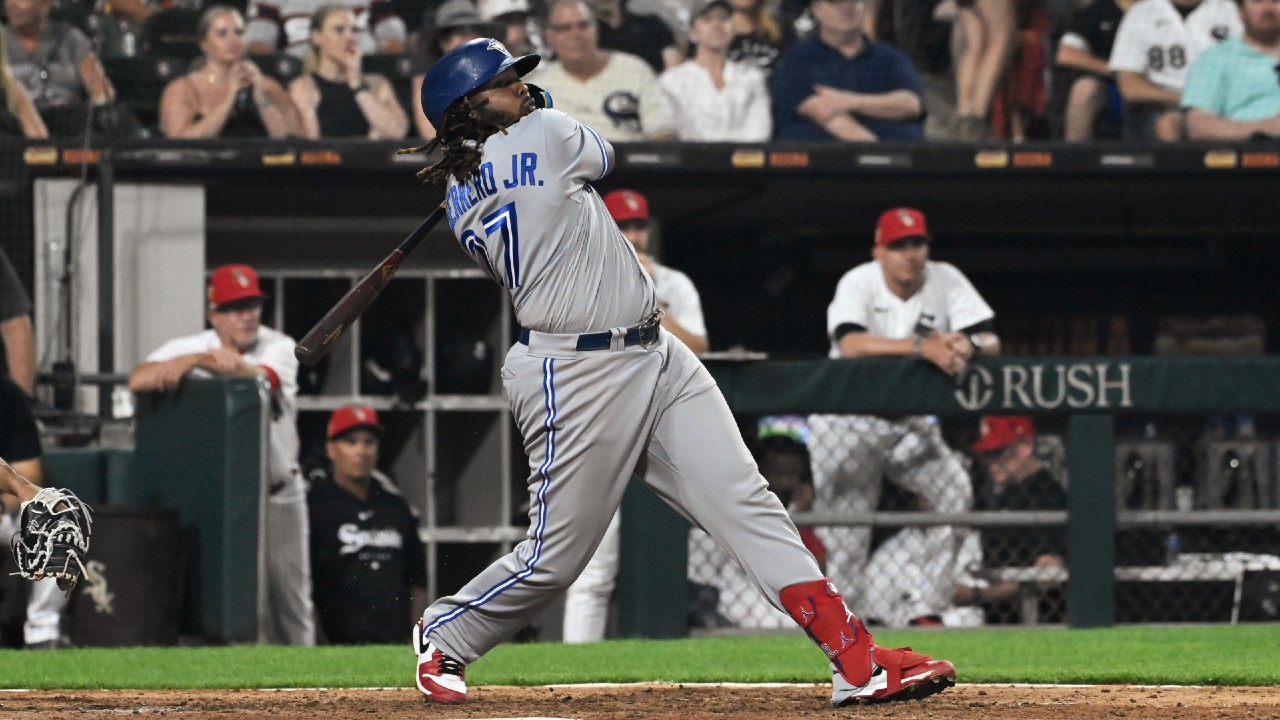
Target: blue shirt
pixel 878 69
pixel 1234 81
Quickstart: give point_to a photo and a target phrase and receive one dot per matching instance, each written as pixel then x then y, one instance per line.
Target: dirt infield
pixel 665 702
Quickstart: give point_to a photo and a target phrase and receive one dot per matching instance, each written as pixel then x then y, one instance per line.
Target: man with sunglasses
pixel 238 344
pixel 901 304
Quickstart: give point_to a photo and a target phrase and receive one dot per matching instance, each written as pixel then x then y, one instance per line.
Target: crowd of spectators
pixel 691 70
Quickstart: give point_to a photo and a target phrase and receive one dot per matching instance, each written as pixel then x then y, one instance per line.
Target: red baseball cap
pixel 998 432
pixel 898 223
pixel 352 417
pixel 626 205
pixel 230 283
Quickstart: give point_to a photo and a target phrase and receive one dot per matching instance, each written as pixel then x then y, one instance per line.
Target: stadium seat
pixel 398 70
pixel 72 11
pixel 283 67
pixel 172 33
pixel 139 82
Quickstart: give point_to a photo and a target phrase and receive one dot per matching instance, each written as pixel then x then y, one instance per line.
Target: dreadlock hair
pixel 461 140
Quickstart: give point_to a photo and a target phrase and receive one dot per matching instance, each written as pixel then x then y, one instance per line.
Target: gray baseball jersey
pixel 850 453
pixel 593 418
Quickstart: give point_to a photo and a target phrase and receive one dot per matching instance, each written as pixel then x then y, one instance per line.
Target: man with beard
pixel 1233 91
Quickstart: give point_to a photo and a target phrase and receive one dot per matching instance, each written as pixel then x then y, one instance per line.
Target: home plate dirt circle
pixel 665 702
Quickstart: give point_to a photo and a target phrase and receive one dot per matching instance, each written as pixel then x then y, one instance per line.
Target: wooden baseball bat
pixel 323 334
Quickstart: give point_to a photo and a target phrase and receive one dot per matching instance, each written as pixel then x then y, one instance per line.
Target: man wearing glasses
pixel 837 84
pixel 902 304
pixel 614 93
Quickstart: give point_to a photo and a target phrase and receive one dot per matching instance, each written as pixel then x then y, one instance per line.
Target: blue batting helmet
pixel 465 68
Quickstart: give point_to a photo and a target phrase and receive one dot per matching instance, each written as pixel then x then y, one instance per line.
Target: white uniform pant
pixel 849 455
pixel 290 618
pixel 586 602
pixel 591 420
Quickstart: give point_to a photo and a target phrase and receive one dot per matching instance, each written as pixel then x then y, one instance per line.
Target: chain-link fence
pixel 1196 499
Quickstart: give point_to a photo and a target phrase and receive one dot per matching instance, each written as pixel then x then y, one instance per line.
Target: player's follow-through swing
pixel 600 392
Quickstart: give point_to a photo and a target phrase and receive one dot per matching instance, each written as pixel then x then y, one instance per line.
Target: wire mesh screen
pixel 1197 514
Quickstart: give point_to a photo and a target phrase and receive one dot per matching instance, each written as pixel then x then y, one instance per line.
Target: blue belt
pixel 636 335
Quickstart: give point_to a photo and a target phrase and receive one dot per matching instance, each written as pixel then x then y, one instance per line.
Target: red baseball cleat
pixel 441 678
pixel 896 674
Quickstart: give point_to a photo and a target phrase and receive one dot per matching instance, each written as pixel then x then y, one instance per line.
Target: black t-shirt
pixel 365 555
pixel 1020 546
pixel 19 436
pixel 758 50
pixel 1097 24
pixel 643 35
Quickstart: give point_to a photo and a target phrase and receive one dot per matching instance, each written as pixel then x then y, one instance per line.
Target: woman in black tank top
pixel 334 98
pixel 226 95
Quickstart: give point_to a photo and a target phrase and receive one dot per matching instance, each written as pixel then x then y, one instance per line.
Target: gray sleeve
pixel 77 46
pixel 13 297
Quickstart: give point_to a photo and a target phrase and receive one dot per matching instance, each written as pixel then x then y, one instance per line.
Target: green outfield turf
pixel 1210 655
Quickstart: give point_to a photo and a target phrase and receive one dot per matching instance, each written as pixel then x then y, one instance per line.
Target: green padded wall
pixel 198 450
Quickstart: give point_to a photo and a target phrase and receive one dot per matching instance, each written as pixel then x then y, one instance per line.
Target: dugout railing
pixel 1198 544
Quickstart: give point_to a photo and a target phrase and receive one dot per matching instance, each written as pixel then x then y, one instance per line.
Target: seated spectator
pixel 1018 107
pixel 226 95
pixel 334 97
pixel 1156 43
pixel 714 98
pixel 1083 76
pixel 515 25
pixel 56 64
pixel 1232 91
pixel 614 93
pixel 287 24
pixel 647 37
pixel 456 22
pixel 758 36
pixel 367 563
pixel 18 116
pixel 838 85
pixel 982 43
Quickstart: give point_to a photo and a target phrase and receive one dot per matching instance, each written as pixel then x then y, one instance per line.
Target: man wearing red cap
pixel 238 344
pixel 586 602
pixel 899 304
pixel 1006 448
pixel 367 561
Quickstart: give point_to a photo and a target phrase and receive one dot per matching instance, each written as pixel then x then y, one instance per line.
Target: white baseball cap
pixel 490 9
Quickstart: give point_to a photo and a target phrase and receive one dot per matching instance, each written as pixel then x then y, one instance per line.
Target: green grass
pixel 1208 655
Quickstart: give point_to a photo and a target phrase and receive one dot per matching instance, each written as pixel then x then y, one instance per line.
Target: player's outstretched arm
pixel 14 483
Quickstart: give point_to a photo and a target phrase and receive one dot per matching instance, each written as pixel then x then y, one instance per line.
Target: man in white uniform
pixel 1154 47
pixel 586 603
pixel 600 391
pixel 238 344
pixel 900 304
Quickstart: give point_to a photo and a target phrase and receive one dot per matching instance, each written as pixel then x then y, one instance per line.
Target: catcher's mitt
pixel 53 537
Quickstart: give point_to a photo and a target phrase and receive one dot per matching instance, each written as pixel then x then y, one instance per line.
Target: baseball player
pixel 366 558
pixel 903 304
pixel 238 344
pixel 1154 47
pixel 599 391
pixel 586 603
